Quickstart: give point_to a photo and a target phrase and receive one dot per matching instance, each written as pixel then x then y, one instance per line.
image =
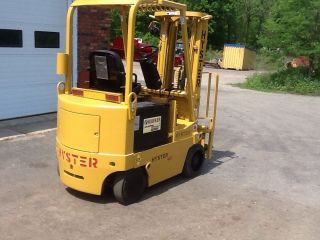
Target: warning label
pixel 151 124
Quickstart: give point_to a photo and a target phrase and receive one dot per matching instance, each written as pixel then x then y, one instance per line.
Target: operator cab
pixel 107 73
pixel 162 81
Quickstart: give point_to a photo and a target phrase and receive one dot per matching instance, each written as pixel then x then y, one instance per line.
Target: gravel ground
pixel 262 183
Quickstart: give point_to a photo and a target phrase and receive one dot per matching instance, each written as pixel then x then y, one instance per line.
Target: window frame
pixel 18 44
pixel 54 45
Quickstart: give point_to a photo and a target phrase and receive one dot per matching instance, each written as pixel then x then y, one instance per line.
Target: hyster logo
pixel 160 157
pixel 77 159
pixel 201 56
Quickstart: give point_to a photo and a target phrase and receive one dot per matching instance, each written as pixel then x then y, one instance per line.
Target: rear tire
pixel 194 161
pixel 129 186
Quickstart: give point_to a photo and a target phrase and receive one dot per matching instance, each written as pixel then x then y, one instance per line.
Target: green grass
pixel 212 54
pixel 265 62
pixel 294 80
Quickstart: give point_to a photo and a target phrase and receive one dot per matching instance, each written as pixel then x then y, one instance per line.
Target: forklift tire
pixel 128 187
pixel 194 161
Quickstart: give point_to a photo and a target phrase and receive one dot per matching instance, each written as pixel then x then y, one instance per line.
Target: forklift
pixel 130 134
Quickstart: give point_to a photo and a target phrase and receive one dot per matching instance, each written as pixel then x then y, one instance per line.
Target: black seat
pixel 150 73
pixel 107 72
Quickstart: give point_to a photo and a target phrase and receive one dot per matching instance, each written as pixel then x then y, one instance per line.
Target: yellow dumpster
pixel 239 57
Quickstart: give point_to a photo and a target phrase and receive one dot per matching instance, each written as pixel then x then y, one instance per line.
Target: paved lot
pixel 262 183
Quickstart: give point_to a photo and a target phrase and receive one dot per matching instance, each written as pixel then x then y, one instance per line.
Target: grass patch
pixel 267 63
pixel 212 54
pixel 270 60
pixel 294 80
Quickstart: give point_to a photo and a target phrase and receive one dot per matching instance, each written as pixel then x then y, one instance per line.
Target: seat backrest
pixel 150 74
pixel 106 71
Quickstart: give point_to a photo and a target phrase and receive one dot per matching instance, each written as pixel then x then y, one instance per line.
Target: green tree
pixel 115 24
pixel 294 29
pixel 143 21
pixel 222 27
pixel 250 17
pixel 234 21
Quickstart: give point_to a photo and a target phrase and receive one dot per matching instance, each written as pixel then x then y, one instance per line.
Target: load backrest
pixel 150 74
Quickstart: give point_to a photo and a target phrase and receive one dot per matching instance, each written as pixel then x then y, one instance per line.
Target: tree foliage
pixel 234 21
pixel 292 27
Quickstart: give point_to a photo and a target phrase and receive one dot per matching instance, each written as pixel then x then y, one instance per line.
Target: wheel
pixel 194 161
pixel 129 186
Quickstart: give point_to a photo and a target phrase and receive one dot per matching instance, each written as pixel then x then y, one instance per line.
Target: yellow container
pixel 236 56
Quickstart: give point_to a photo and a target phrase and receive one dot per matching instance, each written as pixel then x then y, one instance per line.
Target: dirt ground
pixel 262 183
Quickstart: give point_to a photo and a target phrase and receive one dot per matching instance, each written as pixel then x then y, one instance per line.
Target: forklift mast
pixel 198 27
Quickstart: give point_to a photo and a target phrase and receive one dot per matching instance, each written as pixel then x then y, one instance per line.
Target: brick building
pixel 94 25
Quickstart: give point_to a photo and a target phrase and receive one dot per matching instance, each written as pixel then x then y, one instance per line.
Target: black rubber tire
pixel 128 187
pixel 194 161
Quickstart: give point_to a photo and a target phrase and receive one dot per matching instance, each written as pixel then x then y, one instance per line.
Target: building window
pixel 46 39
pixel 10 38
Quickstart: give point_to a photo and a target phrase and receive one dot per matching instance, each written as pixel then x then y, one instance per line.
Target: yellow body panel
pixel 165 161
pixel 90 175
pixel 87 171
pixel 102 2
pixel 70 124
pixel 116 131
pixel 121 3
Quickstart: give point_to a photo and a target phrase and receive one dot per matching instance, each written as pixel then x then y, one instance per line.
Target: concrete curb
pixel 27 134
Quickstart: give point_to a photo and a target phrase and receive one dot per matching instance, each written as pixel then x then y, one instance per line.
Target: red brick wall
pixel 93 33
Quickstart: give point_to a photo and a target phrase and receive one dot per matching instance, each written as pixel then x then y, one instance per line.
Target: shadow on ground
pixel 218 158
pixel 106 197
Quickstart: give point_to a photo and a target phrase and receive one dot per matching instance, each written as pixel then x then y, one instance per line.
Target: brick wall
pixel 93 33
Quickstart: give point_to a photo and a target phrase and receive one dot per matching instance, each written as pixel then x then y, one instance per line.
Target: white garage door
pixel 31 33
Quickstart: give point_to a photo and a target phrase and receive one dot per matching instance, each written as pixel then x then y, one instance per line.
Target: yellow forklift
pixel 127 135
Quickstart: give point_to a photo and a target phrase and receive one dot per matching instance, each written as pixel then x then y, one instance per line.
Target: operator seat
pixel 107 72
pixel 150 73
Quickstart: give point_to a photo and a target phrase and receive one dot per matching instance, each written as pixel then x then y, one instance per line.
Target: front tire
pixel 194 161
pixel 129 186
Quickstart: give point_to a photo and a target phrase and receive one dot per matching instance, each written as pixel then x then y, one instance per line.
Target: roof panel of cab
pixel 77 3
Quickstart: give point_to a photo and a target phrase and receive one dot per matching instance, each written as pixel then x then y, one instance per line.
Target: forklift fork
pixel 211 128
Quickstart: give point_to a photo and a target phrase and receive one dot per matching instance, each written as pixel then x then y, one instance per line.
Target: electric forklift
pixel 127 135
